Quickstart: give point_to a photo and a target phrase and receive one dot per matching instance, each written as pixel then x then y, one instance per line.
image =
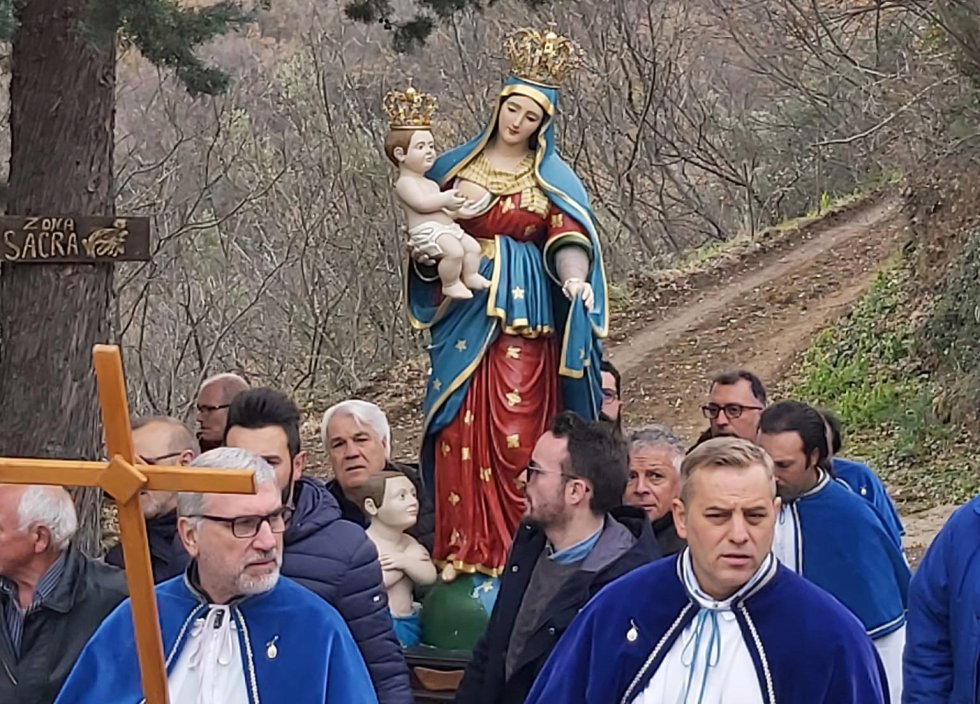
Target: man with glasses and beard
pixel 611 412
pixel 735 404
pixel 831 536
pixel 233 630
pixel 575 538
pixel 161 440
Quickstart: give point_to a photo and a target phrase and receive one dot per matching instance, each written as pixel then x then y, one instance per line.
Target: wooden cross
pixel 123 480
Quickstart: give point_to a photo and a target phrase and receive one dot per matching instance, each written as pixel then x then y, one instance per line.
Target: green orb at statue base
pixel 455 614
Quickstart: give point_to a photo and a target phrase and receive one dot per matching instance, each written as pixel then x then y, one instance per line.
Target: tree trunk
pixel 62 117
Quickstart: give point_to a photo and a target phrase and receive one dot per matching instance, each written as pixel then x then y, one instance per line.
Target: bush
pixel 859 366
pixel 950 339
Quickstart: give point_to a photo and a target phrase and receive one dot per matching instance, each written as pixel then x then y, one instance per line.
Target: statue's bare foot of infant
pixel 456 290
pixel 475 282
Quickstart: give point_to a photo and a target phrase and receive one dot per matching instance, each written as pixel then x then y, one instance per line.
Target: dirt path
pixel 761 316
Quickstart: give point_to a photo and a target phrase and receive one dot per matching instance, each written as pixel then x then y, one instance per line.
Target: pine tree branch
pixel 169 35
pixel 408 35
pixel 7 21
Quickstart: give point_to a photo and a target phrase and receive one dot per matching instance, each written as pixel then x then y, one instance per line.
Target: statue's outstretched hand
pixel 574 287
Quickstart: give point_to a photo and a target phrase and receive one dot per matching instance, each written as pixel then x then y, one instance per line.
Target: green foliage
pixel 169 35
pixel 865 369
pixel 411 34
pixel 7 23
pixel 950 338
pixel 824 202
pixel 856 367
pixel 166 33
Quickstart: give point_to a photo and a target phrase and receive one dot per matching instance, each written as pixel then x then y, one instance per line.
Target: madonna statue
pixel 507 360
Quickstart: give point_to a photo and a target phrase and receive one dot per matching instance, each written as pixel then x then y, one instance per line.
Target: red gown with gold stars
pixel 512 397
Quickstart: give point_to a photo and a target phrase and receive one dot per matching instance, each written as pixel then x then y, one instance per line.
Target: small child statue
pixel 430 211
pixel 391 503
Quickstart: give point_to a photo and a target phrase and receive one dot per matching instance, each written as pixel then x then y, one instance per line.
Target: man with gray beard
pixel 233 630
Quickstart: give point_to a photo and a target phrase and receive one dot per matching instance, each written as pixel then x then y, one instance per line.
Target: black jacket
pixel 665 532
pixel 484 681
pixel 703 437
pixel 424 529
pixel 167 554
pixel 55 634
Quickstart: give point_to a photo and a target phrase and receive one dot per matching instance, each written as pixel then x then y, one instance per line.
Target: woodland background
pixel 278 249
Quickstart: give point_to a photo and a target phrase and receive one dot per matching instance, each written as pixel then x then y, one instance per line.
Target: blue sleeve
pixel 348 681
pixel 927 665
pixel 363 603
pixel 889 514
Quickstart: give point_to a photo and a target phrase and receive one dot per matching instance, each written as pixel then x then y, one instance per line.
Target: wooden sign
pixel 62 240
pixel 123 480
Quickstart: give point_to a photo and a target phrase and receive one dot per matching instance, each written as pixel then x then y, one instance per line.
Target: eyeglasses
pixel 202 408
pixel 248 526
pixel 732 410
pixel 532 470
pixel 158 460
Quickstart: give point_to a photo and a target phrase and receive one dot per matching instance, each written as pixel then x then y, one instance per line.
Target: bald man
pixel 213 399
pixel 52 597
pixel 161 440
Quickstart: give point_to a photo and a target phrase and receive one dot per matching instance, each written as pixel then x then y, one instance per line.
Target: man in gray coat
pixel 52 597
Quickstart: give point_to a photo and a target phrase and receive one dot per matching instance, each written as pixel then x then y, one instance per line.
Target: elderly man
pixel 736 400
pixel 574 540
pixel 332 557
pixel 721 623
pixel 52 598
pixel 357 438
pixel 831 536
pixel 213 399
pixel 161 440
pixel 942 655
pixel 233 630
pixel 654 482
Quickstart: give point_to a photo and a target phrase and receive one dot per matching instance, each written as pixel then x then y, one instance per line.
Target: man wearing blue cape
pixel 723 622
pixel 508 360
pixel 832 537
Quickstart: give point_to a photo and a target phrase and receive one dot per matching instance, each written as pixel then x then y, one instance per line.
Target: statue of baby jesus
pixel 430 211
pixel 390 501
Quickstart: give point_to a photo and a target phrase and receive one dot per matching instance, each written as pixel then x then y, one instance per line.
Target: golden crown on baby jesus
pixel 542 57
pixel 410 109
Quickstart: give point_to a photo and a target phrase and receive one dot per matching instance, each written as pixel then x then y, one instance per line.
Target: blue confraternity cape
pixel 865 483
pixel 296 649
pixel 844 548
pixel 806 647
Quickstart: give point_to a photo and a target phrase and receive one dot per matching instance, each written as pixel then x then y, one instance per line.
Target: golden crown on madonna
pixel 410 109
pixel 542 57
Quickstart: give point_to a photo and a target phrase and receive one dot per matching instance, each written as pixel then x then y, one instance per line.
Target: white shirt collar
pixel 761 576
